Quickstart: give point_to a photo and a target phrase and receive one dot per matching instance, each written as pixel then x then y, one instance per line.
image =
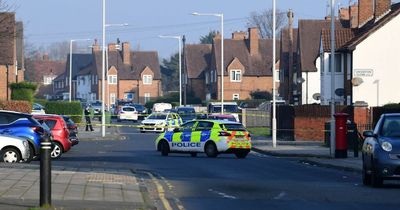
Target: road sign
pixel 363 72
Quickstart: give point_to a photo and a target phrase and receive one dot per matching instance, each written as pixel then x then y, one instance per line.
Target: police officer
pixel 88 120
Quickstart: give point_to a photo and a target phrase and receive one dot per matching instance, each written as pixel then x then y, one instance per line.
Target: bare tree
pixel 263 21
pixel 58 50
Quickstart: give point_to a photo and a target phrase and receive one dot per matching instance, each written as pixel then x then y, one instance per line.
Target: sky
pixel 49 21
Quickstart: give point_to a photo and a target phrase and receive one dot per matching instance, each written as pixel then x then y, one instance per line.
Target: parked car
pixel 59 130
pixel 14 149
pixel 381 151
pixel 96 106
pixel 127 113
pixel 142 111
pixel 25 126
pixel 73 130
pixel 229 108
pixel 186 113
pixel 38 109
pixel 160 121
pixel 160 107
pixel 227 117
pixel 118 104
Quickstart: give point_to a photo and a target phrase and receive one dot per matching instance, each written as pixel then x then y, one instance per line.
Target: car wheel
pixel 31 153
pixel 164 148
pixel 241 154
pixel 57 151
pixel 10 155
pixel 376 180
pixel 366 178
pixel 211 150
pixel 193 154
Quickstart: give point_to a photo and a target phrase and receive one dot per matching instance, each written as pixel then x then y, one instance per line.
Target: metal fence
pixel 256 118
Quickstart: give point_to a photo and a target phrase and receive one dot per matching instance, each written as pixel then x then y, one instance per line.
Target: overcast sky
pixel 47 21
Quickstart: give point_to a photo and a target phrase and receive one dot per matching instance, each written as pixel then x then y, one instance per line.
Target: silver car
pixel 13 149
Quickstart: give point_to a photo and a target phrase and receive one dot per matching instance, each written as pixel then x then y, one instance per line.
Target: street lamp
pixel 180 63
pixel 222 51
pixel 377 91
pixel 70 65
pixel 333 134
pixel 273 75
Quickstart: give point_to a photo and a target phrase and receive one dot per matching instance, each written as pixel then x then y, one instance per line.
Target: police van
pixel 210 136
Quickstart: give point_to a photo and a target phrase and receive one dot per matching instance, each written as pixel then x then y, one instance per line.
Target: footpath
pixel 310 151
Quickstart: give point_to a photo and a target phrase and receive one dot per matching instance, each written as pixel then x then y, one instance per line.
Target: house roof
pixel 139 61
pixel 7 38
pixel 255 65
pixel 309 41
pixel 79 62
pixel 41 68
pixel 342 36
pixel 284 57
pixel 372 26
pixel 198 59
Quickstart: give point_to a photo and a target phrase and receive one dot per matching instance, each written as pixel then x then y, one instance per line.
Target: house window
pixel 235 96
pixel 112 98
pixel 207 78
pixel 96 79
pixel 338 63
pixel 147 79
pixel 236 75
pixel 112 79
pixel 129 95
pixel 146 97
pixel 47 80
pixel 212 76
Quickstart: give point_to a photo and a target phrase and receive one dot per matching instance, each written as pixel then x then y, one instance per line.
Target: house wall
pixel 379 52
pixel 245 87
pixel 326 80
pixel 311 85
pixel 198 88
pixel 83 90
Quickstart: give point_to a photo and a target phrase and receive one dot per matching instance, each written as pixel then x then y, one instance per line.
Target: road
pixel 257 182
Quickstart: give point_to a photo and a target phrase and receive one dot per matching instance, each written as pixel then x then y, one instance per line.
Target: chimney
pixel 344 14
pixel 353 16
pixel 239 35
pixel 381 7
pixel 253 41
pixel 96 46
pixel 217 36
pixel 365 11
pixel 126 53
pixel 290 70
pixel 112 47
pixel 45 57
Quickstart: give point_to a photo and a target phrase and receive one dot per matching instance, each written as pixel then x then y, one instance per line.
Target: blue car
pixel 381 151
pixel 23 125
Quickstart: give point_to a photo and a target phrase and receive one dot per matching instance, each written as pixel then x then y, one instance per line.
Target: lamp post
pixel 222 51
pixel 377 91
pixel 273 75
pixel 333 134
pixel 180 63
pixel 70 65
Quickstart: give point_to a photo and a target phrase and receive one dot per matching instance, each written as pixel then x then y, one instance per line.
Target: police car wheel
pixel 211 150
pixel 241 154
pixel 164 148
pixel 193 154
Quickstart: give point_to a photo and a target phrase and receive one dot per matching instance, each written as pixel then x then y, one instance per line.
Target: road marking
pixel 161 192
pixel 224 195
pixel 281 195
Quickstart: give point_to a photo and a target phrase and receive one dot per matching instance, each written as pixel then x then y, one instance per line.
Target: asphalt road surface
pixel 225 182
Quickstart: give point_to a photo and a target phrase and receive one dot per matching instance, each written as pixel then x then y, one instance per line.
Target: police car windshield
pixel 158 116
pixel 234 127
pixel 227 108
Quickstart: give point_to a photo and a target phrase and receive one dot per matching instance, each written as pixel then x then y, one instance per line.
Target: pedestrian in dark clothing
pixel 88 121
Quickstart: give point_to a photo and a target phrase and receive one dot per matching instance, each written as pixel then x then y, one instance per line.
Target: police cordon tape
pixel 145 115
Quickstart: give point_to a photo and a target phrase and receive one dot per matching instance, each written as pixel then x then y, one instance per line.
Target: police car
pixel 160 122
pixel 210 136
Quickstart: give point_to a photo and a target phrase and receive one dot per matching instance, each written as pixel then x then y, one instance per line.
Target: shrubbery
pixel 17 106
pixel 72 109
pixel 23 91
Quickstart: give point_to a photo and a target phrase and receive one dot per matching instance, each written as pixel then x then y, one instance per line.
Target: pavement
pixel 310 152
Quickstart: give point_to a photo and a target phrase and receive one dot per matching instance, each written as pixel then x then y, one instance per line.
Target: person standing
pixel 88 120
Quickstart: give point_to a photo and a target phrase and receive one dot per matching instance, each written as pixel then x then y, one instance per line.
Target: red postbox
pixel 341 135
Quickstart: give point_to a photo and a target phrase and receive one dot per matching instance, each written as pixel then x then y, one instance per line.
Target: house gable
pixel 112 71
pixel 146 71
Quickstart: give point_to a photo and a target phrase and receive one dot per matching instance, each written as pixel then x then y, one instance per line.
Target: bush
pixel 258 94
pixel 72 109
pixel 17 106
pixel 23 91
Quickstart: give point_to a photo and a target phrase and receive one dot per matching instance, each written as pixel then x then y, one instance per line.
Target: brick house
pixel 132 75
pixel 247 66
pixel 11 53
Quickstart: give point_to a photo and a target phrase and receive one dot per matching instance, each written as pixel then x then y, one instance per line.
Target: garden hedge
pixel 23 91
pixel 17 106
pixel 72 109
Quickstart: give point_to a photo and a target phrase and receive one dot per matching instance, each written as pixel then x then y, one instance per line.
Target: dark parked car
pixel 73 130
pixel 59 130
pixel 186 113
pixel 142 111
pixel 381 151
pixel 25 126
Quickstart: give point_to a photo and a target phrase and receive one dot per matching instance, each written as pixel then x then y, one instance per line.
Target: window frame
pixel 147 79
pixel 234 74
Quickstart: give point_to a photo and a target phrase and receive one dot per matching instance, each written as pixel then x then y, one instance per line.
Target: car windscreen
pixel 233 127
pixel 391 127
pixel 232 119
pixel 128 109
pixel 227 108
pixel 157 116
pixel 139 107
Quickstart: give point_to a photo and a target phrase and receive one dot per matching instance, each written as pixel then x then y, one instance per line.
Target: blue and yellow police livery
pixel 209 136
pixel 160 122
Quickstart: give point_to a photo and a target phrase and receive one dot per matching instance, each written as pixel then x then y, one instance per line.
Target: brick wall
pixel 198 88
pixel 381 7
pixel 3 83
pixel 365 11
pixel 309 128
